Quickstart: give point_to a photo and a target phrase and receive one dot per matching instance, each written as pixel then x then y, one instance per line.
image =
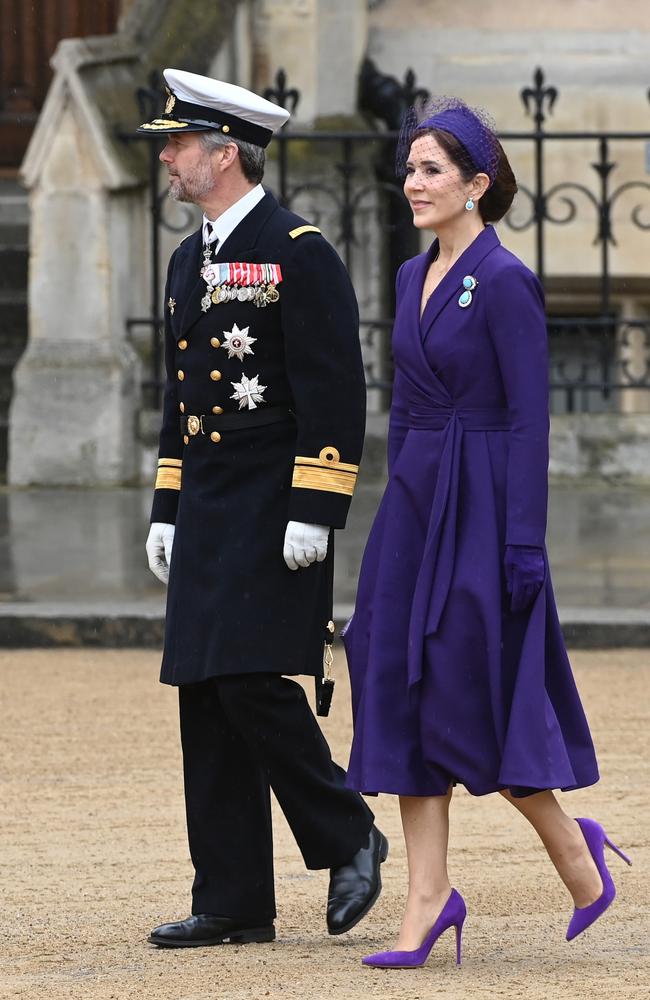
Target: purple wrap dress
pixel 449 686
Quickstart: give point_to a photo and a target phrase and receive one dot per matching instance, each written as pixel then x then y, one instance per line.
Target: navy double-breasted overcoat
pixel 229 479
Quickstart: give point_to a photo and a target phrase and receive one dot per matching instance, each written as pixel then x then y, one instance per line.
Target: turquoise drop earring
pixel 469 205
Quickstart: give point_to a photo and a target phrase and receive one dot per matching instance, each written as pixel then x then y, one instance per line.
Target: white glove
pixel 305 544
pixel 159 549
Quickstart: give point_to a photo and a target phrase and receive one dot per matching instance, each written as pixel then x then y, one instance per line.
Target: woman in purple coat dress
pixel 458 667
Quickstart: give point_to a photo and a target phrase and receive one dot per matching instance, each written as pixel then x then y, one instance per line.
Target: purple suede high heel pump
pixel 596 838
pixel 453 915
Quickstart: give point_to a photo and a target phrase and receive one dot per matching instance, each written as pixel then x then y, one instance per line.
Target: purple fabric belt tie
pixel 436 569
pixel 436 418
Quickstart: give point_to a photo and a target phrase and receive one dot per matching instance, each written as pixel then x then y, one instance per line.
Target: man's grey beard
pixel 194 186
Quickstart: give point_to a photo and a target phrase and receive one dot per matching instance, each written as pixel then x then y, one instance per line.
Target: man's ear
pixel 229 154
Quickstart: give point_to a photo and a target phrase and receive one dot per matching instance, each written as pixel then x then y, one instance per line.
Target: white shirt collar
pixel 230 219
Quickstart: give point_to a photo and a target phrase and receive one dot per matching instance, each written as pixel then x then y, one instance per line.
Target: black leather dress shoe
pixel 205 928
pixel 355 887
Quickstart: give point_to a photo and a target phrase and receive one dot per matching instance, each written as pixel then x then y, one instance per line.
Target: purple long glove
pixel 525 569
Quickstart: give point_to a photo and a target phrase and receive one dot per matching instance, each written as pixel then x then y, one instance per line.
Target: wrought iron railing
pixel 345 181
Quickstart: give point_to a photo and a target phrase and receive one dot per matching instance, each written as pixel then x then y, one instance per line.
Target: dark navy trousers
pixel 242 736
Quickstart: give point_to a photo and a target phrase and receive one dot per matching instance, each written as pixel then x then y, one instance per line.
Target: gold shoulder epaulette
pixel 295 233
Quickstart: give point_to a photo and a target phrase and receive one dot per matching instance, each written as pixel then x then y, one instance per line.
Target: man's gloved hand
pixel 159 549
pixel 525 569
pixel 305 543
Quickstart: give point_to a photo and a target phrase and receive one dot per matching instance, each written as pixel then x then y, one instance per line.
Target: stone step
pixel 13 309
pixel 13 328
pixel 11 347
pixel 13 235
pixel 9 356
pixel 10 295
pixel 4 450
pixel 14 204
pixel 14 254
pixel 6 390
pixel 139 624
pixel 13 267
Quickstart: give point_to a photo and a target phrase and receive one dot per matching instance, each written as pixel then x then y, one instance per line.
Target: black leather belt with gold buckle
pixel 206 422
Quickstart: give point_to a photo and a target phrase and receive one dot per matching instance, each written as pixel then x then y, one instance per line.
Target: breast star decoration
pixel 248 392
pixel 237 342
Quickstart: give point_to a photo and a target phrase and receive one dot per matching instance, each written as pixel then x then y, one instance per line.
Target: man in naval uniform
pixel 262 430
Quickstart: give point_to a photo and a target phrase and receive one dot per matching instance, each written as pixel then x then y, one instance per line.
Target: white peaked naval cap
pixel 196 103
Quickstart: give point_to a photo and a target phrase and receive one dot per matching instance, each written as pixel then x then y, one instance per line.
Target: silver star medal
pixel 248 392
pixel 237 342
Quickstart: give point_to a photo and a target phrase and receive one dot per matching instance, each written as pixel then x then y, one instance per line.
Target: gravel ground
pixel 94 854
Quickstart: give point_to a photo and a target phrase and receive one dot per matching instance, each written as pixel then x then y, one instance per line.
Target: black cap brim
pixel 188 117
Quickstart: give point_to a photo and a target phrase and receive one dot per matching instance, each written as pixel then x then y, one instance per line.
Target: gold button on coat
pixel 215 341
pixel 217 409
pixel 214 375
pixel 181 375
pixel 182 344
pixel 186 439
pixel 215 436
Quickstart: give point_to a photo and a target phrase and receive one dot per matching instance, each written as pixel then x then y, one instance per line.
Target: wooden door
pixel 29 33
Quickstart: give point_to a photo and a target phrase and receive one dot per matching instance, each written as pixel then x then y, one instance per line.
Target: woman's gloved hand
pixel 305 544
pixel 525 568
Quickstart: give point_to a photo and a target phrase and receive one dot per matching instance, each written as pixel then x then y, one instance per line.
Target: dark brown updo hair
pixel 496 201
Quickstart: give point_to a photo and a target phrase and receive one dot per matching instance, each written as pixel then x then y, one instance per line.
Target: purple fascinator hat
pixel 470 126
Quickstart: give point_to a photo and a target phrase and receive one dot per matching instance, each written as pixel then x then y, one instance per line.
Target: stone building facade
pixel 78 383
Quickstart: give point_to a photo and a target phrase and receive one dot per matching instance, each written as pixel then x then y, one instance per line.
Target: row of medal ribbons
pixel 243 281
pixel 242 273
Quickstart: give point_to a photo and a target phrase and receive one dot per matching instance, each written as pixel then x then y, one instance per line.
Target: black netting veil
pixel 476 149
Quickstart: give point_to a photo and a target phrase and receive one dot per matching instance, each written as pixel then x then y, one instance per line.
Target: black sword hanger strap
pixel 325 684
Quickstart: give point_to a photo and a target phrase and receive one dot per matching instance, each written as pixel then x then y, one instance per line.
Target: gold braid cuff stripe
pixel 327 472
pixel 169 474
pixel 168 479
pixel 326 480
pixel 160 123
pixel 324 464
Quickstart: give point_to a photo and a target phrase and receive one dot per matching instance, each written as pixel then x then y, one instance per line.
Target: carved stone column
pixel 77 389
pixel 634 354
pixel 320 44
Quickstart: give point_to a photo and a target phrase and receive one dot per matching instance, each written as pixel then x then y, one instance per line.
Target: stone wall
pixel 594 51
pixel 76 387
pixel 611 448
pixel 76 400
pixel 77 395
